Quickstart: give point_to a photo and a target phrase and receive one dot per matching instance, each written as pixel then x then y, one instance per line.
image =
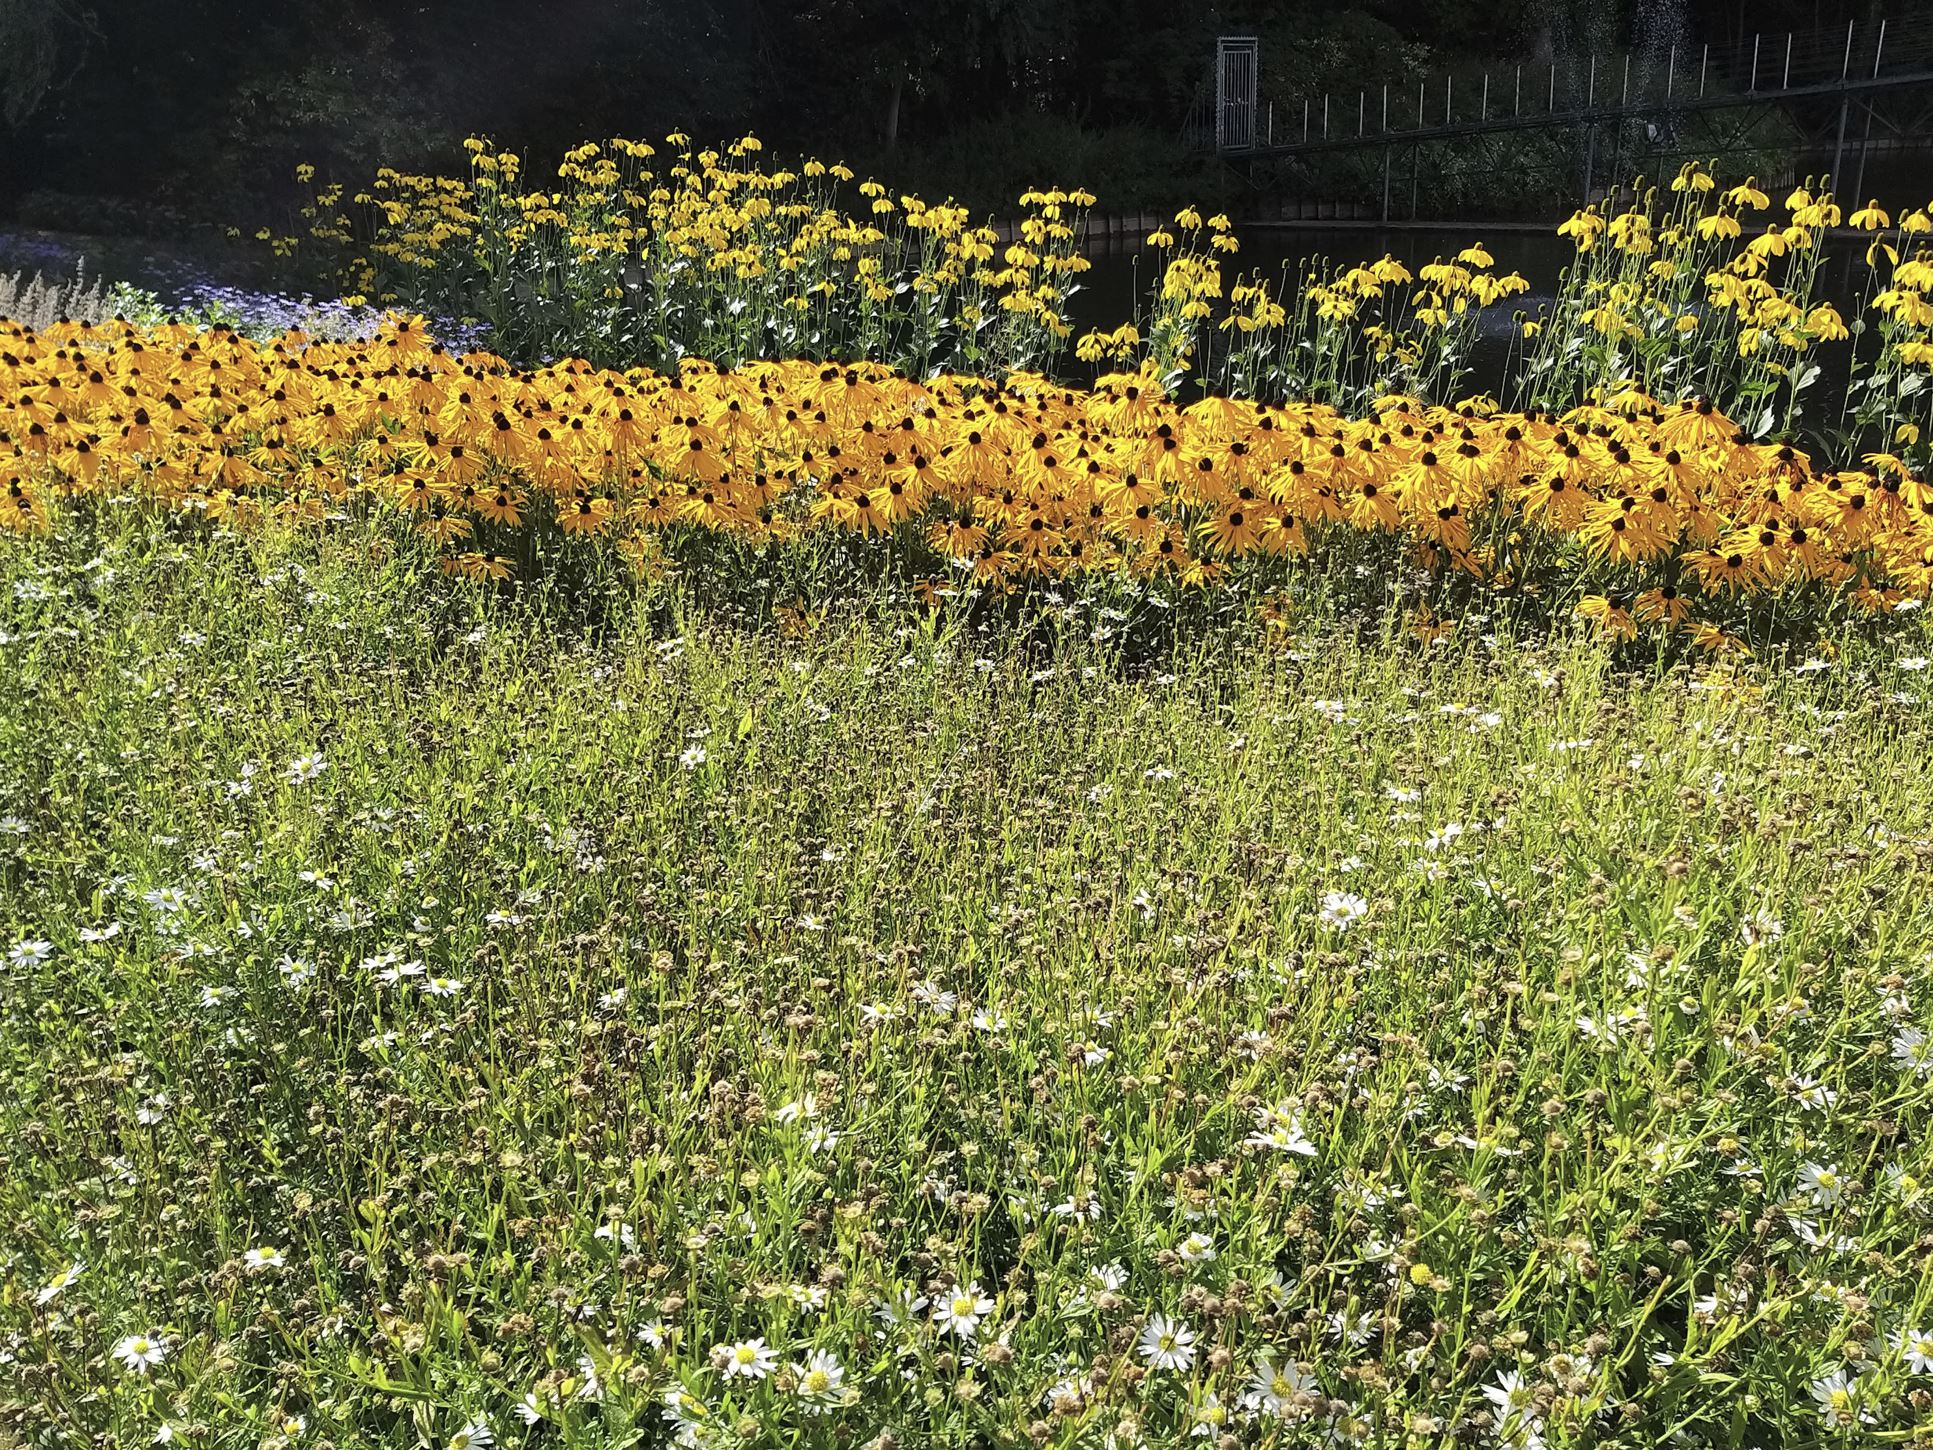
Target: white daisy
pixel 1509 1394
pixel 619 1233
pixel 1197 1248
pixel 47 1292
pixel 1912 1051
pixel 302 770
pixel 748 1359
pixel 800 1108
pixel 1208 1416
pixel 1272 1390
pixel 1916 1348
pixel 900 1309
pixel 1837 1396
pixel 1342 910
pixel 959 1312
pixel 819 1379
pixel 686 1415
pixel 141 1352
pixel 1813 1094
pixel 1280 1128
pixel 1167 1343
pixel 296 973
pixel 1823 1182
pixel 820 1140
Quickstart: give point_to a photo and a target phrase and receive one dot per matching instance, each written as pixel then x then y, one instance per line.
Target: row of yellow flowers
pixel 641 254
pixel 1644 507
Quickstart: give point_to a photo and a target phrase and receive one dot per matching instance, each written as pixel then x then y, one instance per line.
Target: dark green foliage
pixel 206 104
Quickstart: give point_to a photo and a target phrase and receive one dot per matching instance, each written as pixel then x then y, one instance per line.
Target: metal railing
pixel 1852 66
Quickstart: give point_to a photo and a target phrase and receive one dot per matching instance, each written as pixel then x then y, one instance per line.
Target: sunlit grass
pixel 446 1008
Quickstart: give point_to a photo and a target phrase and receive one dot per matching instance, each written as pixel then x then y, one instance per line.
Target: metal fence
pixel 1830 82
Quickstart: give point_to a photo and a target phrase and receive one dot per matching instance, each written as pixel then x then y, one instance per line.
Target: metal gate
pixel 1236 84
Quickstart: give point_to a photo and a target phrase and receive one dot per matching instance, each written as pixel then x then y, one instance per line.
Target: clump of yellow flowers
pixel 636 253
pixel 1696 289
pixel 1651 514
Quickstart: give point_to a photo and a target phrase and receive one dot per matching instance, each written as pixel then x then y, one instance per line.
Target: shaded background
pixel 153 117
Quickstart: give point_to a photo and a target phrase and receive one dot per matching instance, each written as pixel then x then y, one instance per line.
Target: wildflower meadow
pixel 695 824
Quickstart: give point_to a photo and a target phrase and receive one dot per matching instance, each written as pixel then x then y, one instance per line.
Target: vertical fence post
pixel 1845 104
pixel 1416 150
pixel 1866 144
pixel 1786 84
pixel 1704 66
pixel 1752 89
pixel 1385 151
pixel 1517 93
pixel 1448 105
pixel 1362 113
pixel 1671 70
pixel 1483 110
pixel 1617 133
pixel 1305 120
pixel 1325 115
pixel 1590 130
